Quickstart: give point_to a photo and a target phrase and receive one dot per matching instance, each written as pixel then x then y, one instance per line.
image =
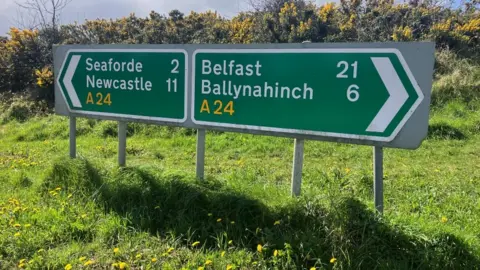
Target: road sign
pixel 344 93
pixel 147 84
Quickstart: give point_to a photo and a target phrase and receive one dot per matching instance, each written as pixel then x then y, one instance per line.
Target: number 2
pixel 176 63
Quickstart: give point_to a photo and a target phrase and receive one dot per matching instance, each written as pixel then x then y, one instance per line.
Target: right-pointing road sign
pixel 345 93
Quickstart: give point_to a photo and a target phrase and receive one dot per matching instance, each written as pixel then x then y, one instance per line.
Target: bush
pixel 20 108
pixel 456 78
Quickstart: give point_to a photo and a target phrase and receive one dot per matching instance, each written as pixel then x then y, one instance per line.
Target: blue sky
pixel 79 10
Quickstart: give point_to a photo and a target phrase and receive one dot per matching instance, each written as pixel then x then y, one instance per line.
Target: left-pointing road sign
pixel 147 84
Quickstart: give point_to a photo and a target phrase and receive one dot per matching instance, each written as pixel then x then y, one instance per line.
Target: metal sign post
pixel 378 178
pixel 73 138
pixel 122 143
pixel 297 167
pixel 200 164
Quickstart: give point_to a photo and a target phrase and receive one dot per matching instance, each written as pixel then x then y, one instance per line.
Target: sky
pixel 79 10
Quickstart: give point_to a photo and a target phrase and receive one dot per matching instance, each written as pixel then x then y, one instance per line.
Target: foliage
pixel 26 56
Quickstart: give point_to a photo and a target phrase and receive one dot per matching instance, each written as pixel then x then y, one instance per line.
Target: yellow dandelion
pixel 230 242
pixel 17 225
pixel 196 243
pixel 259 248
pixel 208 262
pixel 83 258
pixel 229 267
pixel 27 225
pixel 223 254
pixel 21 265
pixel 275 253
pixel 68 267
pixel 58 189
pixel 276 222
pixel 17 234
pixel 313 268
pixel 138 256
pixel 154 260
pixel 89 262
pixel 170 250
pixel 333 260
pixel 219 220
pixel 201 268
pixel 22 261
pixel 122 265
pixel 444 219
pixel 114 265
pixel 116 250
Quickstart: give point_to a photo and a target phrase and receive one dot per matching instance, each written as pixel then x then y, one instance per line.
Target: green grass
pixel 80 210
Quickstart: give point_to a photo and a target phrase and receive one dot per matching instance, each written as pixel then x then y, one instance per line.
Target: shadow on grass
pixel 190 210
pixel 445 132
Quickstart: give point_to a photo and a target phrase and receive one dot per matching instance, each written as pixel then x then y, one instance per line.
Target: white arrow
pixel 396 90
pixel 67 81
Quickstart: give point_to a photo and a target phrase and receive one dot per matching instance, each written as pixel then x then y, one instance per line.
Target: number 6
pixel 352 93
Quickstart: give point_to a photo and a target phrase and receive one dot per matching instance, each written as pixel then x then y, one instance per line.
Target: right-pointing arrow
pixel 67 81
pixel 398 94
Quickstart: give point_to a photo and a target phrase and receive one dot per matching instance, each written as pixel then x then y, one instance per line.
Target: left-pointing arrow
pixel 67 81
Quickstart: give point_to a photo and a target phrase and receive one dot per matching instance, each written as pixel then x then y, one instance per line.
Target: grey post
pixel 297 167
pixel 122 143
pixel 200 154
pixel 378 178
pixel 73 138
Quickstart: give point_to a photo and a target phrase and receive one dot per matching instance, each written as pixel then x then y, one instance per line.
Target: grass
pixel 88 213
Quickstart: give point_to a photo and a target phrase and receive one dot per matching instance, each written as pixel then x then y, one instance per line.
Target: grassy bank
pixel 89 214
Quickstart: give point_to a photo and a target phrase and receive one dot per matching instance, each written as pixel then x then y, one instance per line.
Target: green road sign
pixel 344 93
pixel 148 84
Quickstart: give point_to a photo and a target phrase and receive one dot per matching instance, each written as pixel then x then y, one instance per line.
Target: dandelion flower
pixel 17 234
pixel 122 265
pixel 196 243
pixel 21 265
pixel 28 225
pixel 230 242
pixel 154 260
pixel 89 262
pixel 17 225
pixel 275 253
pixel 22 260
pixel 259 248
pixel 333 260
pixel 444 219
pixel 58 189
pixel 347 170
pixel 223 253
pixel 276 223
pixel 208 262
pixel 229 267
pixel 313 268
pixel 116 250
pixel 83 258
pixel 170 250
pixel 68 267
pixel 219 220
pixel 201 268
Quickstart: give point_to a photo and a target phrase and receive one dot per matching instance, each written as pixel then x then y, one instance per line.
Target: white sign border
pixel 390 138
pixel 128 116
